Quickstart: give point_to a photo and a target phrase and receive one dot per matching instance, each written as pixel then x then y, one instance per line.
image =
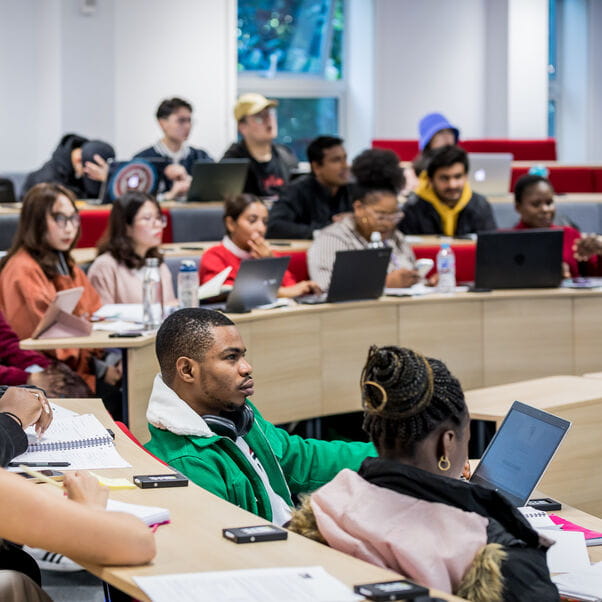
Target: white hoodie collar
pixel 169 412
pixel 235 249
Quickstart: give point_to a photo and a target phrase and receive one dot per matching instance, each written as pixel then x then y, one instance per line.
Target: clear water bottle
pixel 446 268
pixel 152 295
pixel 188 284
pixel 376 241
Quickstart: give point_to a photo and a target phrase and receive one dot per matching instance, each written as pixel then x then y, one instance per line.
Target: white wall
pixel 103 75
pixel 594 108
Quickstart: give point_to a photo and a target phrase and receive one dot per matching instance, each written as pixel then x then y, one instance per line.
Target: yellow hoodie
pixel 448 215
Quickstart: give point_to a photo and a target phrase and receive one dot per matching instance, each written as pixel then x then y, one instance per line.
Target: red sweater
pixel 570 236
pixel 217 258
pixel 14 360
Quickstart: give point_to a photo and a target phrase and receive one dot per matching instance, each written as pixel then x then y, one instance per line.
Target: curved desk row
pixel 307 359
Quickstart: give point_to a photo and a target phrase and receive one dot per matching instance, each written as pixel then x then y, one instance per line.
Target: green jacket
pixel 293 464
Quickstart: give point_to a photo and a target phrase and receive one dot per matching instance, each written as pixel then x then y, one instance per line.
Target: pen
pixel 40 476
pixel 40 464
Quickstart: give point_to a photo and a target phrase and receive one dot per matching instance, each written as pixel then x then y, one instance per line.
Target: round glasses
pixel 61 220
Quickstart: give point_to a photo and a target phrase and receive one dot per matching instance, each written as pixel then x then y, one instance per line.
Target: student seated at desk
pixel 246 219
pixel 443 203
pixel 408 510
pixel 534 202
pixel 37 266
pixel 22 367
pixel 134 232
pixel 174 117
pixel 379 178
pixel 78 164
pixel 202 423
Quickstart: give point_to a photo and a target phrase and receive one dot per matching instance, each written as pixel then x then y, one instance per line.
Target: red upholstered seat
pixel 297 265
pixel 565 179
pixel 597 173
pixel 94 222
pixel 465 259
pixel 523 150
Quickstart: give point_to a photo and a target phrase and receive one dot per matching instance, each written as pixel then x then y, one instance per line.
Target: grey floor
pixel 80 586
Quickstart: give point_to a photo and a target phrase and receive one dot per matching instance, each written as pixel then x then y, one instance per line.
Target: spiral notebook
pixel 80 440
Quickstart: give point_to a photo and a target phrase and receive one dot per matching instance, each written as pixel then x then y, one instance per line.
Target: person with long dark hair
pixel 134 233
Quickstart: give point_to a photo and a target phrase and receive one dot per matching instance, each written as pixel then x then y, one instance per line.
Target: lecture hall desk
pixel 574 474
pixel 193 541
pixel 307 360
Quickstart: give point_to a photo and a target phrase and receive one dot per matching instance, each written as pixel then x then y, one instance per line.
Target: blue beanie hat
pixel 432 123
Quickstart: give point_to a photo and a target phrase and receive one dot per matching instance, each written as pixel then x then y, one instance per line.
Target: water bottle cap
pixel 376 237
pixel 152 262
pixel 445 245
pixel 187 265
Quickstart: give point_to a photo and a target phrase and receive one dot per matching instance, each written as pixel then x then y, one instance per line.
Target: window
pixel 292 50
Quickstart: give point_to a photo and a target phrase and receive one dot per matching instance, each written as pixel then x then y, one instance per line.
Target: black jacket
pixel 420 217
pixel 59 169
pixel 265 179
pixel 13 440
pixel 304 206
pixel 525 572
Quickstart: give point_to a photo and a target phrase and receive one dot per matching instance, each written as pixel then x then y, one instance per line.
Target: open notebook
pixel 80 440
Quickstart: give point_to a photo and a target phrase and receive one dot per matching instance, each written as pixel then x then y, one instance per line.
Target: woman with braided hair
pixel 408 509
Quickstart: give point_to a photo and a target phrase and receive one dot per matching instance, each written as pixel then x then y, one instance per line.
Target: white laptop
pixel 490 173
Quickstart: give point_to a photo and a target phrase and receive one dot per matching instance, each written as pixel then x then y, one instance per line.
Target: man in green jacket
pixel 203 425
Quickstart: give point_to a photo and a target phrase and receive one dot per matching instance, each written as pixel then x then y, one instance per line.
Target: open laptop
pixel 520 452
pixel 490 173
pixel 217 181
pixel 256 284
pixel 357 275
pixel 138 174
pixel 519 259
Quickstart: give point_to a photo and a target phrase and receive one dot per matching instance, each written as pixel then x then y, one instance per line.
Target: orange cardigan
pixel 26 292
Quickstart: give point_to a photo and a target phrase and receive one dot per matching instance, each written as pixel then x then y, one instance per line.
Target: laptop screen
pixel 520 452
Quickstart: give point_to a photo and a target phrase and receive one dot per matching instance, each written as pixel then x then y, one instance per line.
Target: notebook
pixel 151 515
pixel 356 275
pixel 520 452
pixel 217 181
pixel 490 173
pixel 80 440
pixel 519 259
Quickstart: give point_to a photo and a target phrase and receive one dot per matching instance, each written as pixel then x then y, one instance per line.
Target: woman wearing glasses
pixel 38 265
pixel 134 233
pixel 379 178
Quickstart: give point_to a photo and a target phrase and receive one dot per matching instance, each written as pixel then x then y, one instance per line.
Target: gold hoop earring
pixel 383 393
pixel 444 464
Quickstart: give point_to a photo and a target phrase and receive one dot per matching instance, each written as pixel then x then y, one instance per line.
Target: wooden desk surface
pixel 193 541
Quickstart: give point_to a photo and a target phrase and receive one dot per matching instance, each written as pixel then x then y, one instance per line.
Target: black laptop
pixel 520 452
pixel 256 284
pixel 217 181
pixel 356 276
pixel 143 175
pixel 519 259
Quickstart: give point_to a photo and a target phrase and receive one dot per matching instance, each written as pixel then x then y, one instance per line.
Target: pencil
pixel 39 475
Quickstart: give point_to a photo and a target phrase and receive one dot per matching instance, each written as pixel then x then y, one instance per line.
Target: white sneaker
pixel 50 561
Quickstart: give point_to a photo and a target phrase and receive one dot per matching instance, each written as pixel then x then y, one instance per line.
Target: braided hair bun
pixel 405 396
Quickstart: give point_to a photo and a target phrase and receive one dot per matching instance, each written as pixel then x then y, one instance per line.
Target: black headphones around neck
pixel 232 424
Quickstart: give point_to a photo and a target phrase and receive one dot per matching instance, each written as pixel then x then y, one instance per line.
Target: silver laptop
pixel 490 173
pixel 520 452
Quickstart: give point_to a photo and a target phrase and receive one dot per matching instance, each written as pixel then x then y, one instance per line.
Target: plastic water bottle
pixel 152 295
pixel 188 284
pixel 446 268
pixel 376 241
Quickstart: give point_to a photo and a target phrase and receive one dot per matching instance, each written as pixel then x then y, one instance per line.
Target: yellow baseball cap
pixel 251 104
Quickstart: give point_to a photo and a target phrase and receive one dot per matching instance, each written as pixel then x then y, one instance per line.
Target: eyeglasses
pixel 381 216
pixel 264 116
pixel 61 220
pixel 147 220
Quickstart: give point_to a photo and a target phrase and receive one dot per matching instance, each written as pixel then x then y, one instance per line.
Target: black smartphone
pixel 126 334
pixel 255 534
pixel 402 589
pixel 55 475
